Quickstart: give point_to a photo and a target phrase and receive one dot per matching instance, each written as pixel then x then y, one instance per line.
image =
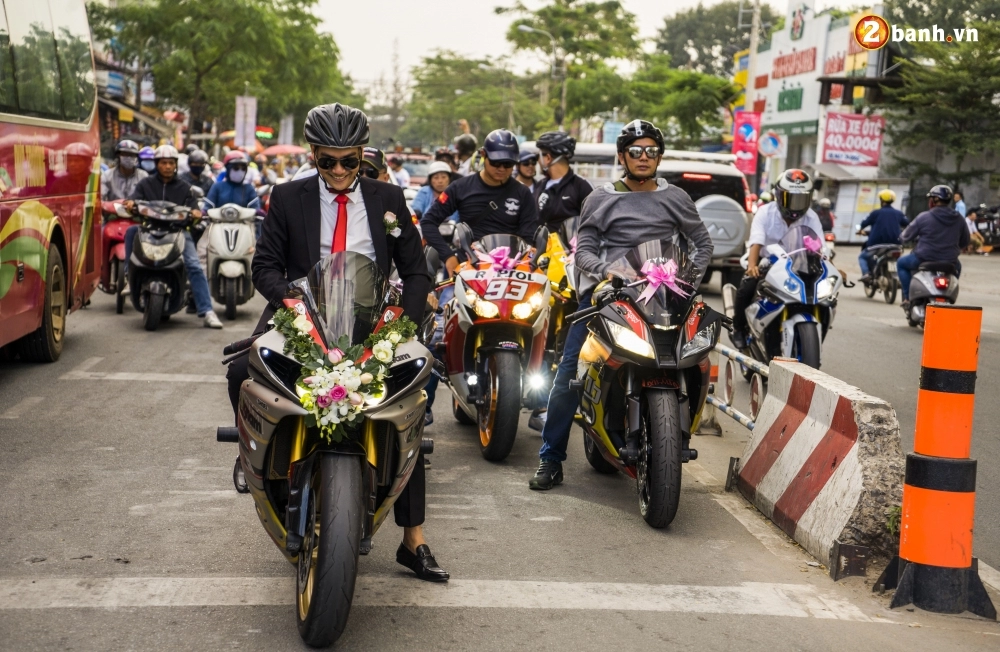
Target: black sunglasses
pixel 328 162
pixel 529 161
pixel 636 152
pixel 506 165
pixel 369 172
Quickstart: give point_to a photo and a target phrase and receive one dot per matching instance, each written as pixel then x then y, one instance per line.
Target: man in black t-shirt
pixel 490 202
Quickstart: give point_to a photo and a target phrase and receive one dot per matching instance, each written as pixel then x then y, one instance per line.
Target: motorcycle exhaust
pixel 227 435
pixel 729 299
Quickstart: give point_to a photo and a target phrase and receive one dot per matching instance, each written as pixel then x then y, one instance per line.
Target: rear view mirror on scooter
pixel 197 192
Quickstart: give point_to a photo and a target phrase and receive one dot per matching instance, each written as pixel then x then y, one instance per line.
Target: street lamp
pixel 556 70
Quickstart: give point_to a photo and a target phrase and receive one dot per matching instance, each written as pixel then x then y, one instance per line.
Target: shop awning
pixel 164 129
pixel 861 173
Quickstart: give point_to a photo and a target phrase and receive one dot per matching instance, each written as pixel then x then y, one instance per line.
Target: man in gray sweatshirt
pixel 615 218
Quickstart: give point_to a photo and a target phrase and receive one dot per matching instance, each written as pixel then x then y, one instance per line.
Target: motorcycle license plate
pixel 892 266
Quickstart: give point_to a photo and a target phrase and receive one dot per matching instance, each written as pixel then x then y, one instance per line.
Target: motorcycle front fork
pixel 629 453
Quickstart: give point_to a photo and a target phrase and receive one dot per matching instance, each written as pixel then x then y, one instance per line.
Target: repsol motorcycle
pixel 321 501
pixel 117 219
pixel 796 300
pixel 644 373
pixel 495 331
pixel 156 276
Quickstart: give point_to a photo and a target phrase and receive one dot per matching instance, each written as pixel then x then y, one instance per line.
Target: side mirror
pixel 433 261
pixel 463 238
pixel 541 241
pixel 197 192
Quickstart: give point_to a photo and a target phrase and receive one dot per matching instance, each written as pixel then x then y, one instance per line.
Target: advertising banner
pixel 745 132
pixel 852 139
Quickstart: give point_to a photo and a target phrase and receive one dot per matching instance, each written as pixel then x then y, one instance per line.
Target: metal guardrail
pixel 734 413
pixel 748 362
pixel 744 360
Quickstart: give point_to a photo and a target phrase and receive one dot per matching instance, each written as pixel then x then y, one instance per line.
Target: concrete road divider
pixel 824 463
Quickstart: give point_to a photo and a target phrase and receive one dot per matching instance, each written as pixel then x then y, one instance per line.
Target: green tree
pixel 594 89
pixel 584 34
pixel 706 38
pixel 202 54
pixel 944 13
pixel 948 98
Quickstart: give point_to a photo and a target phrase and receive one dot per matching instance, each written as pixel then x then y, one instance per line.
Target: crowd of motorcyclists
pixel 496 187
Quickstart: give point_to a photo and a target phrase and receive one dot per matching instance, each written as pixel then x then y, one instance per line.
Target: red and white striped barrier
pixel 824 461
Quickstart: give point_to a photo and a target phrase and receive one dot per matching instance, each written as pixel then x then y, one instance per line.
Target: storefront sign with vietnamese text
pixel 852 139
pixel 795 63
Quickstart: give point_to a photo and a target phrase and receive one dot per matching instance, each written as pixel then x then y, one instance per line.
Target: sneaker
pixel 548 475
pixel 428 418
pixel 212 320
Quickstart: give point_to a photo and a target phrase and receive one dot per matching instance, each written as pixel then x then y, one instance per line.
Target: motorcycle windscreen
pixel 489 243
pixel 349 294
pixel 667 306
pixel 804 248
pixel 567 231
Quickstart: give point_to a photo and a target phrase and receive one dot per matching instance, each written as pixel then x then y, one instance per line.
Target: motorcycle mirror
pixel 541 241
pixel 433 260
pixel 197 192
pixel 463 237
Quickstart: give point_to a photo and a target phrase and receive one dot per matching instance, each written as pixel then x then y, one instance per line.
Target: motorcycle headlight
pixel 824 289
pixel 486 309
pixel 628 340
pixel 701 341
pixel 526 309
pixel 471 297
pixel 156 252
pixel 792 286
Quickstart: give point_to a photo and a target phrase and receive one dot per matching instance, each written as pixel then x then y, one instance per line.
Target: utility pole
pixel 750 92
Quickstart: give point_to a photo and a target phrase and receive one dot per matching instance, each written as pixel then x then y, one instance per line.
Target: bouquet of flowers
pixel 336 385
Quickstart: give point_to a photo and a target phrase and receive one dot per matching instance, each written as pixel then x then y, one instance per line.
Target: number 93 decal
pixel 502 288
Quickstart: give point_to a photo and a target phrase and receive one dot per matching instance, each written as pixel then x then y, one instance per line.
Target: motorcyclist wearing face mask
pixel 232 190
pixel 147 160
pixel 197 173
pixel 792 196
pixel 120 181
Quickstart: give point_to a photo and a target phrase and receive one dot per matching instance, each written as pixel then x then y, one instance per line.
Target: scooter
pixel 495 330
pixel 231 245
pixel 934 283
pixel 644 372
pixel 156 276
pixel 796 300
pixel 117 220
pixel 322 498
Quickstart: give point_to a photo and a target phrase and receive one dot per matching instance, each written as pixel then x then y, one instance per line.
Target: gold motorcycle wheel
pixel 499 413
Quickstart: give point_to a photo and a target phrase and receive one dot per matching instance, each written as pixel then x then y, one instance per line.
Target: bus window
pixel 35 60
pixel 76 67
pixel 8 99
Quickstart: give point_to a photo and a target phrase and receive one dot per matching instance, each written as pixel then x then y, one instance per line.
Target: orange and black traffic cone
pixel 935 569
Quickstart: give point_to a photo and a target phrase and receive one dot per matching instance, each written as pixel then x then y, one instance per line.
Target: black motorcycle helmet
pixel 637 129
pixel 198 157
pixel 190 148
pixel 793 194
pixel 501 145
pixel 466 144
pixel 941 193
pixel 558 143
pixel 336 125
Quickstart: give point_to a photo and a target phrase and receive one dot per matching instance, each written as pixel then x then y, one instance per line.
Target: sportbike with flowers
pixel 644 372
pixel 796 300
pixel 330 426
pixel 494 336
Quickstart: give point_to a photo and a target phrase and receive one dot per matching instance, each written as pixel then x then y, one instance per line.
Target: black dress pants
pixel 410 507
pixel 744 297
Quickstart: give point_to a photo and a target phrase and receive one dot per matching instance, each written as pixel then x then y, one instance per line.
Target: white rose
pixel 366 378
pixel 302 324
pixel 390 218
pixel 395 337
pixel 383 355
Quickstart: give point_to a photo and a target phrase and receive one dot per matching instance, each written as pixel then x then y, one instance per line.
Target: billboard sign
pixel 852 139
pixel 746 129
pixel 246 120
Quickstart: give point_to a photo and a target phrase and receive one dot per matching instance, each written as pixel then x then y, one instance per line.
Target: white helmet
pixel 793 194
pixel 824 203
pixel 438 166
pixel 166 151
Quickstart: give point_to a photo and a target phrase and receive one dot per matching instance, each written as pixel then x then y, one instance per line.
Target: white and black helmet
pixel 336 125
pixel 793 193
pixel 166 151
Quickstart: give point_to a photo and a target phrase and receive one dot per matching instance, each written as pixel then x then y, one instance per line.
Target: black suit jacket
pixel 289 244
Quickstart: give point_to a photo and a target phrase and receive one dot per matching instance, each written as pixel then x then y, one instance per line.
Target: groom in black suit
pixel 340 210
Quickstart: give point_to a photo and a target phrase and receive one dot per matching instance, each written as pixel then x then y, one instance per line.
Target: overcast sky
pixel 365 29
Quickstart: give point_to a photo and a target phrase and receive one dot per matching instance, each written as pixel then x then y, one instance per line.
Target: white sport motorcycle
pixel 796 299
pixel 232 240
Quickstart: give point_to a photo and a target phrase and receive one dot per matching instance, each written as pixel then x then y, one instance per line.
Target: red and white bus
pixel 49 172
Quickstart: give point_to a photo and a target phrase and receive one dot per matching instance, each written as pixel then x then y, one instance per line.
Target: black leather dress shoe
pixel 422 563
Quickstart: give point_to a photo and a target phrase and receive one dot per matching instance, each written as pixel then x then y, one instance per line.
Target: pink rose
pixel 356 399
pixel 338 393
pixel 324 401
pixel 310 380
pixel 335 356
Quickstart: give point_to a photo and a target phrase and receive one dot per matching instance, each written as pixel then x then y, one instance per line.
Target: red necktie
pixel 340 231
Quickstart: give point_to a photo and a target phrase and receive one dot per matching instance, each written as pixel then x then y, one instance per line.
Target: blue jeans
pixel 907 266
pixel 865 262
pixel 431 388
pixel 563 400
pixel 196 275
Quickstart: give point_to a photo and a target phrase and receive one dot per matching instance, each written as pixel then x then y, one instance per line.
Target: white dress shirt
pixel 359 234
pixel 769 227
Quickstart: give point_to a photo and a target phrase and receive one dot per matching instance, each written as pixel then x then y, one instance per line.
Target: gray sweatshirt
pixel 612 223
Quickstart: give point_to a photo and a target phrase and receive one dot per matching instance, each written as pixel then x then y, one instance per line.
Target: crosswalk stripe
pixel 749 598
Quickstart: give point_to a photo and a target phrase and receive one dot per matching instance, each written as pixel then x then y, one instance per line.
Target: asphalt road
pixel 119 527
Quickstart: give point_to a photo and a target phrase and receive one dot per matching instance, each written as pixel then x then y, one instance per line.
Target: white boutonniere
pixel 391 224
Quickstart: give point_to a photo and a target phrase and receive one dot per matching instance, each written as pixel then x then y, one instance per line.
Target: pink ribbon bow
pixel 499 259
pixel 663 274
pixel 571 258
pixel 812 244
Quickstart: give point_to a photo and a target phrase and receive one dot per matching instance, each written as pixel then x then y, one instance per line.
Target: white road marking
pixel 546 519
pixel 15 411
pixel 763 531
pixel 989 575
pixel 82 372
pixel 180 500
pixel 749 598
